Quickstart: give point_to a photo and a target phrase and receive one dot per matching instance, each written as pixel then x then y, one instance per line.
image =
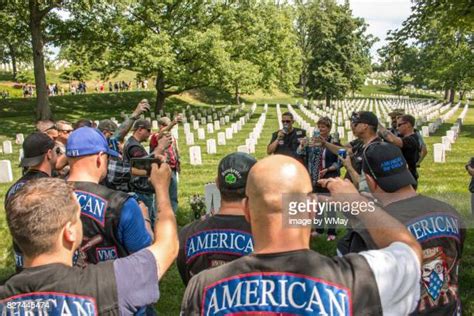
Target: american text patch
pixel 276 293
pixel 48 303
pixel 225 241
pixel 435 226
pixel 92 206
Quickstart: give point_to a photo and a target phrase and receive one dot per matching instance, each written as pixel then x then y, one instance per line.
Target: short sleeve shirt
pixel 289 144
pixel 410 150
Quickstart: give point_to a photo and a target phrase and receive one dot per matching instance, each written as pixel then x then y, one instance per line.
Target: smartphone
pixel 144 163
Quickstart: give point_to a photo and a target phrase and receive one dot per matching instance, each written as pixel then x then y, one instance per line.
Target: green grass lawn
pixel 448 180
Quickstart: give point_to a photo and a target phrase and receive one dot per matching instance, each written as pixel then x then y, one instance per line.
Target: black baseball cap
pixel 141 123
pixel 234 169
pixel 108 125
pixel 365 117
pixel 385 163
pixel 35 146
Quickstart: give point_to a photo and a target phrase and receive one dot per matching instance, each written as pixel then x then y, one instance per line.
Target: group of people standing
pixel 403 257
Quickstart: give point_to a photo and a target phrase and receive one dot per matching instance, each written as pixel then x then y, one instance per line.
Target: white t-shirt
pixel 397 272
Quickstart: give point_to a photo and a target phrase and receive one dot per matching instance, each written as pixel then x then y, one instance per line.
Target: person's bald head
pixel 268 181
pixel 272 177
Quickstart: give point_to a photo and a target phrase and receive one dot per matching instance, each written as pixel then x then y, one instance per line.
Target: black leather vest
pixel 56 289
pixel 137 184
pixel 100 214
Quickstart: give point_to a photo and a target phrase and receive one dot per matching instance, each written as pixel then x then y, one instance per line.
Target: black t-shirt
pixel 300 282
pixel 29 175
pixel 208 243
pixel 438 228
pixel 358 147
pixel 411 152
pixel 289 144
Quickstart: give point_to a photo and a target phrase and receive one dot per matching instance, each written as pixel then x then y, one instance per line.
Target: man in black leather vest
pixel 114 224
pixel 39 156
pixel 228 227
pixel 283 276
pixel 50 285
pixel 436 225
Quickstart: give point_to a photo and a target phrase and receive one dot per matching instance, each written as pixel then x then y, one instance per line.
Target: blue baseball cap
pixel 86 141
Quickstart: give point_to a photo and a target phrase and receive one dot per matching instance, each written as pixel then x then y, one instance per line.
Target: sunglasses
pixel 398 125
pixel 57 150
pixel 286 121
pixel 67 131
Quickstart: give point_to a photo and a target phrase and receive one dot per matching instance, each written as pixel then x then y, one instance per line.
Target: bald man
pixel 283 276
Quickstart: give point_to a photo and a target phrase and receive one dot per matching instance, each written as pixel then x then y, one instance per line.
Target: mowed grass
pixel 449 178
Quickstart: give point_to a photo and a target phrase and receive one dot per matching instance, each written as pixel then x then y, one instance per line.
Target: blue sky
pixel 381 15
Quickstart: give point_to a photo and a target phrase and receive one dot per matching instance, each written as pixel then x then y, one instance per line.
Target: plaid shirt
pixel 119 174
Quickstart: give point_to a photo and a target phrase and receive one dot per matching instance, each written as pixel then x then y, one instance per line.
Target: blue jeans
pixel 173 191
pixel 149 200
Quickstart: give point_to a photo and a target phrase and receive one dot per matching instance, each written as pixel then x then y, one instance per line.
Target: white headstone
pixel 201 133
pixel 189 139
pixel 425 130
pixel 20 138
pixel 227 119
pixel 439 154
pixel 186 128
pixel 243 149
pixel 451 135
pixel 6 173
pixel 446 143
pixel 196 124
pixel 229 132
pixel 211 146
pixel 341 131
pixel 222 121
pixel 212 198
pixel 221 138
pixel 20 155
pixel 195 155
pixel 154 124
pixel 203 121
pixel 7 147
pixel 217 125
pixel 175 132
pixel 350 136
pixel 347 124
pixel 210 128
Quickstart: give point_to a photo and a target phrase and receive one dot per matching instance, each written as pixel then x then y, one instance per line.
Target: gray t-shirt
pixel 137 281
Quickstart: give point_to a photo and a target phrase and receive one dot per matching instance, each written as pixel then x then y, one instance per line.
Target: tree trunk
pixel 161 94
pixel 328 100
pixel 13 57
pixel 43 111
pixel 452 94
pixel 237 94
pixel 461 95
pixel 446 94
pixel 304 85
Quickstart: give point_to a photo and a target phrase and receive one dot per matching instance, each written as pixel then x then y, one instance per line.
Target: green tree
pixel 339 58
pixel 14 40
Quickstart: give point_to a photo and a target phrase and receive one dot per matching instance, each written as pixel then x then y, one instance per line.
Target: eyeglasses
pixel 400 124
pixel 286 121
pixel 57 150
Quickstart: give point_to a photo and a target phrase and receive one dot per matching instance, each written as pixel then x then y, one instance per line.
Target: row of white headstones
pixel 195 154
